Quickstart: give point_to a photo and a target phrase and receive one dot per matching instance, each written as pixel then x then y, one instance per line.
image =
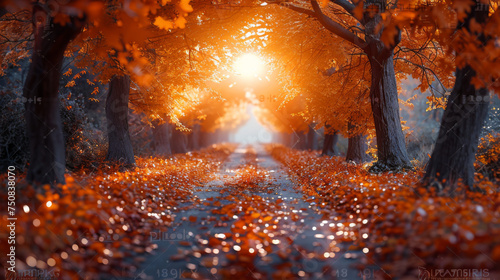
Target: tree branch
pixel 349 8
pixel 299 9
pixel 336 28
pixel 424 68
pixel 346 5
pixel 327 22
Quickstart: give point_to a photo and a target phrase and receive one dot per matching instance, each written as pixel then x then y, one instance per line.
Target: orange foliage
pixel 439 21
pixel 395 223
pixel 97 221
pixel 488 156
pixel 330 77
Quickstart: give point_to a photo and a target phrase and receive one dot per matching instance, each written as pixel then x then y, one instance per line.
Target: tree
pixel 332 81
pixel 330 142
pixel 191 69
pixel 383 89
pixel 453 156
pixel 44 128
pixel 465 30
pixel 370 29
pixel 161 137
pixel 55 25
pixel 357 146
pixel 119 148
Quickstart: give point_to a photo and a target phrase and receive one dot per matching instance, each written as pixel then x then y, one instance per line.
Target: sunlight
pixel 249 65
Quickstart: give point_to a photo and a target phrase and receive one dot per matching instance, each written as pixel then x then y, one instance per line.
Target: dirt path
pixel 251 223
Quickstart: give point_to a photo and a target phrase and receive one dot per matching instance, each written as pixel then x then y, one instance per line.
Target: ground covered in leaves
pixel 101 222
pixel 254 213
pixel 403 229
pixel 253 224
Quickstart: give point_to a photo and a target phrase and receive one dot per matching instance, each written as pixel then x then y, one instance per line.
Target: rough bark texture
pixel 391 148
pixel 356 149
pixel 179 141
pixel 330 144
pixel 120 147
pixel 161 139
pixel 453 156
pixel 454 153
pixel 43 120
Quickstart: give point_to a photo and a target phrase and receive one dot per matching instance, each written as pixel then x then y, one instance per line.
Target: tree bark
pixel 120 147
pixel 330 144
pixel 161 138
pixel 454 153
pixel 312 138
pixel 453 157
pixel 179 141
pixel 43 120
pixel 391 147
pixel 356 149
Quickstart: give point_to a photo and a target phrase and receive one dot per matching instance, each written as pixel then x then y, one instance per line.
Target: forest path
pixel 252 223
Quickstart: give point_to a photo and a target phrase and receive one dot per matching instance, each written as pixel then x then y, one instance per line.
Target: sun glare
pixel 249 65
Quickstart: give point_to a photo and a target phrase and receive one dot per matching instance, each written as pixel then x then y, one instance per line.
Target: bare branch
pixel 424 68
pixel 336 28
pixel 346 5
pixel 327 22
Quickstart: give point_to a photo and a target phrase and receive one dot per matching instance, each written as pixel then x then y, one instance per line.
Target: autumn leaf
pixel 163 24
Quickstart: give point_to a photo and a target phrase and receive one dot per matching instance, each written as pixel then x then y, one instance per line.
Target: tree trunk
pixel 330 144
pixel 454 153
pixel 179 141
pixel 312 138
pixel 205 139
pixel 120 147
pixel 453 157
pixel 391 148
pixel 161 138
pixel 356 149
pixel 194 138
pixel 43 120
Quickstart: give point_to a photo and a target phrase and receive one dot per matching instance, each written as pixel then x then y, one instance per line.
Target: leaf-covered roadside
pixel 102 221
pixel 398 225
pixel 252 230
